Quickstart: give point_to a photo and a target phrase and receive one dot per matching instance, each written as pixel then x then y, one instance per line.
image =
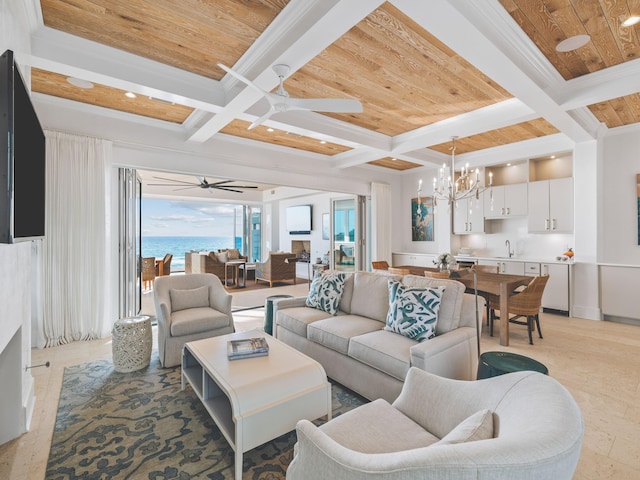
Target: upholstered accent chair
pixel 276 268
pixel 188 308
pixel 439 428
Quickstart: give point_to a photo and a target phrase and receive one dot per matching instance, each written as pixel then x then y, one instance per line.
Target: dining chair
pixel 429 273
pixel 526 304
pixel 380 265
pixel 399 271
pixel 148 271
pixel 487 296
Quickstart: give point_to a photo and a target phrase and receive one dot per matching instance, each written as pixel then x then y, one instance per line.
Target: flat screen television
pixel 299 219
pixel 22 163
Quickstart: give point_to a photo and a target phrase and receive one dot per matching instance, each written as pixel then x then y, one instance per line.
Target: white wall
pixel 16 395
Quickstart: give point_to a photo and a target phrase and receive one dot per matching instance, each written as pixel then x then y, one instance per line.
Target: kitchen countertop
pixel 475 258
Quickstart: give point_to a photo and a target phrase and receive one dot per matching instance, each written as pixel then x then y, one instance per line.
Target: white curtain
pixel 381 222
pixel 75 254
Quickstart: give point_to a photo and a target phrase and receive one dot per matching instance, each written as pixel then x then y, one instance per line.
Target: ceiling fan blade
pixel 173 180
pixel 242 78
pixel 227 189
pixel 336 105
pixel 262 119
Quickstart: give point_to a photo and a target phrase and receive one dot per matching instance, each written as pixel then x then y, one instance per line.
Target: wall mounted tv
pixel 22 166
pixel 299 219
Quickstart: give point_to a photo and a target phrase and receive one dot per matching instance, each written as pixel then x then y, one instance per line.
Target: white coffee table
pixel 255 400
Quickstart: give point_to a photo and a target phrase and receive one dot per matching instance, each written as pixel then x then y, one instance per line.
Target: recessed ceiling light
pixel 323 141
pixel 632 20
pixel 573 43
pixel 393 159
pixel 269 129
pixel 78 82
pixel 130 95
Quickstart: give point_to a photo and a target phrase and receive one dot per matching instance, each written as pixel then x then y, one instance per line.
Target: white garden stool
pixel 131 343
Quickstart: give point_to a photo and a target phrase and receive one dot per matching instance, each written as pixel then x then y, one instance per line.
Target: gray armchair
pixel 189 307
pixel 517 426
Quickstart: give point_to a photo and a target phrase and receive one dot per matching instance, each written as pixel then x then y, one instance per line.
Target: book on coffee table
pixel 247 348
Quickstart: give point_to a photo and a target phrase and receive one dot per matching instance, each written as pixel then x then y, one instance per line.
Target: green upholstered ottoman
pixel 492 364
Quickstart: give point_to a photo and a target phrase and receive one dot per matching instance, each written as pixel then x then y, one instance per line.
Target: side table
pixel 268 311
pixel 131 343
pixel 492 364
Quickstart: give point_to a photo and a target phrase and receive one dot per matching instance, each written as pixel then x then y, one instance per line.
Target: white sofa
pixel 518 426
pixel 357 352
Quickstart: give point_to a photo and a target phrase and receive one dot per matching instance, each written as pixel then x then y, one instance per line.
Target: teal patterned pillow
pixel 413 312
pixel 325 291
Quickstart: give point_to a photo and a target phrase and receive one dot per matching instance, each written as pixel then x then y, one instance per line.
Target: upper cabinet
pixel 551 206
pixel 551 196
pixel 505 201
pixel 507 195
pixel 468 216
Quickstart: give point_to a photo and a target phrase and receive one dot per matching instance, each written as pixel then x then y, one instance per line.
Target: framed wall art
pixel 422 219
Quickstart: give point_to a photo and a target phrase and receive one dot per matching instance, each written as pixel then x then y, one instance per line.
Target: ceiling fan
pixel 280 101
pixel 202 183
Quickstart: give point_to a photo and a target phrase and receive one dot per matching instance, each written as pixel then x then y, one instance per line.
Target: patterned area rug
pixel 140 425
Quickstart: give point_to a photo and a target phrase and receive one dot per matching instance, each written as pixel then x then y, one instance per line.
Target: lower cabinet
pixel 509 267
pixel 556 293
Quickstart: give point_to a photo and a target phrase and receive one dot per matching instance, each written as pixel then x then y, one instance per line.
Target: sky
pixel 180 218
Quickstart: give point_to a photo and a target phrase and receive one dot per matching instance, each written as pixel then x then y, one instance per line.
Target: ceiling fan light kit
pixel 280 101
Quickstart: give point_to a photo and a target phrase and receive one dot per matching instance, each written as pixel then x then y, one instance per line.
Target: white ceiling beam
pixel 491 50
pixel 74 56
pixel 298 34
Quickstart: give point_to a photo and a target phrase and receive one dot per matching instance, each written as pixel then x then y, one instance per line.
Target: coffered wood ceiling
pixel 487 72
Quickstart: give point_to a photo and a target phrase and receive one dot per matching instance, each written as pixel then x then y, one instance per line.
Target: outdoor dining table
pixel 499 284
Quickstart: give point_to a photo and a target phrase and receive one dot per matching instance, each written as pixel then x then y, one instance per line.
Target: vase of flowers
pixel 444 261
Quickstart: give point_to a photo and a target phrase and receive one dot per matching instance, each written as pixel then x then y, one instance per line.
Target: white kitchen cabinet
pixel 510 267
pixel 551 206
pixel 556 293
pixel 468 216
pixel 504 201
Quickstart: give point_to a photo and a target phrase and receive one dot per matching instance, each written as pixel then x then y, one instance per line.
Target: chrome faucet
pixel 509 252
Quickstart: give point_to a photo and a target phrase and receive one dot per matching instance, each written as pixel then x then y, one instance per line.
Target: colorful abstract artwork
pixel 422 219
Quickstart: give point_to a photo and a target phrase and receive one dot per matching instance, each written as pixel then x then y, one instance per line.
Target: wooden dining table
pixel 499 284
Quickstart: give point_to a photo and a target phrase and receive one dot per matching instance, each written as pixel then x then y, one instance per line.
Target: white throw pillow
pixel 325 291
pixel 478 426
pixel 413 312
pixel 222 257
pixel 183 299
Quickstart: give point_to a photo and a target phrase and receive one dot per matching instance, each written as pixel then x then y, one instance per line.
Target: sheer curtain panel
pixel 381 222
pixel 75 253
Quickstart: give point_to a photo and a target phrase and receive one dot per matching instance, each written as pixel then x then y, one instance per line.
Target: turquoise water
pixel 159 246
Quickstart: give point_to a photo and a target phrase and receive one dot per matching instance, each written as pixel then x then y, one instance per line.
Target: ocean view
pixel 159 246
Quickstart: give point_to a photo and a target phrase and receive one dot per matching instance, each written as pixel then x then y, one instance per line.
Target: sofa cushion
pixel 450 303
pixel 377 427
pixel 413 311
pixel 347 294
pixel 296 319
pixel 325 291
pixel 384 351
pixel 371 295
pixel 222 257
pixel 335 332
pixel 233 253
pixel 192 298
pixel 478 426
pixel 196 320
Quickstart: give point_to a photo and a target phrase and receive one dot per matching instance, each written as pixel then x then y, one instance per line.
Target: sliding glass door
pixel 129 239
pixel 347 231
